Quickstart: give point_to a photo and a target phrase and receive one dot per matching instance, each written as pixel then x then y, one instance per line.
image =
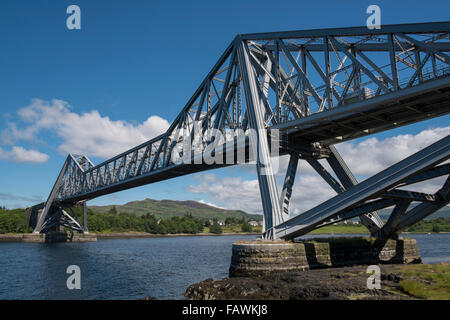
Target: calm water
pixel 134 268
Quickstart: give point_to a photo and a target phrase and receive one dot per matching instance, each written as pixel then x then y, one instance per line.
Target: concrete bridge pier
pixel 55 236
pixel 60 226
pixel 259 257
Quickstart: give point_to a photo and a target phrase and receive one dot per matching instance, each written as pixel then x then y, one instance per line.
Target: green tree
pixel 13 221
pixel 113 210
pixel 230 221
pixel 246 227
pixel 215 228
pixel 436 228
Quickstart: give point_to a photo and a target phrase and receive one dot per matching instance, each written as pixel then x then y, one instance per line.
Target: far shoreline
pixel 17 237
pixel 135 235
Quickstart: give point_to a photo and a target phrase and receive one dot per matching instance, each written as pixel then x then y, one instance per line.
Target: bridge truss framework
pixel 306 90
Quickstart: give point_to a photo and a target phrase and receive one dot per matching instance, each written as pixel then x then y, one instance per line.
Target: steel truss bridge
pixel 306 90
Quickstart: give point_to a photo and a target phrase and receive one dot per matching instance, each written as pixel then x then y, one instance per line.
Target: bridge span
pixel 294 93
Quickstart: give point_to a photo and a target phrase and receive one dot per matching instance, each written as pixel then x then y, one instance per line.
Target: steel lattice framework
pixel 305 90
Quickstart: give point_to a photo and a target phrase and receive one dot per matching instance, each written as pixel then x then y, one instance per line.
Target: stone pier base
pixel 32 237
pixel 53 237
pixel 259 257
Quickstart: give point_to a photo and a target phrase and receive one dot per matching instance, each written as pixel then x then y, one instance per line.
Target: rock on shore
pixel 331 283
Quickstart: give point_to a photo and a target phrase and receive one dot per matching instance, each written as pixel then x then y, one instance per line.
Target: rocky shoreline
pixel 347 283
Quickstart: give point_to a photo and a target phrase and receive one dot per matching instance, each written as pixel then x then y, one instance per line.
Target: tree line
pixel 435 225
pixel 15 221
pixel 121 222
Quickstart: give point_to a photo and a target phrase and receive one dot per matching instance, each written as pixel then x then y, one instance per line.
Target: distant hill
pixel 171 208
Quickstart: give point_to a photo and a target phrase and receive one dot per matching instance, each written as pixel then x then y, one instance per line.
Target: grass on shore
pixel 234 229
pixel 225 229
pixel 338 229
pixel 426 281
pixel 342 228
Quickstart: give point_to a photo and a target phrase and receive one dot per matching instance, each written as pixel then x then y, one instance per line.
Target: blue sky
pixel 136 59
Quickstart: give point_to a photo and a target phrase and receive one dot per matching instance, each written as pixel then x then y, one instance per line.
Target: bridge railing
pixel 311 72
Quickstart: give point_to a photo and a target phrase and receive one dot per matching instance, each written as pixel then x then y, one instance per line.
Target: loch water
pixel 136 268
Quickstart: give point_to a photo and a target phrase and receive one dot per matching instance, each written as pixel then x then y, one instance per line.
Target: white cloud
pixel 372 155
pixel 210 204
pixel 240 194
pixel 230 193
pixel 20 154
pixel 89 133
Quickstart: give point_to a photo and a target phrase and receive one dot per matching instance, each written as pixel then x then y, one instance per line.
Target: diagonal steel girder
pixel 266 178
pixel 426 208
pixel 371 220
pixel 370 188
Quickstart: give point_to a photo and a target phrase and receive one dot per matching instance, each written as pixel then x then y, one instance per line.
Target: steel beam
pixel 409 195
pixel 332 182
pixel 429 27
pixel 394 219
pixel 51 197
pixel 85 224
pixel 260 146
pixel 372 220
pixel 423 210
pixel 369 188
pixel 289 179
pixel 432 173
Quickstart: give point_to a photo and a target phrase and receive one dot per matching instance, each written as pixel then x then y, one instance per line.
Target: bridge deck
pixel 403 107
